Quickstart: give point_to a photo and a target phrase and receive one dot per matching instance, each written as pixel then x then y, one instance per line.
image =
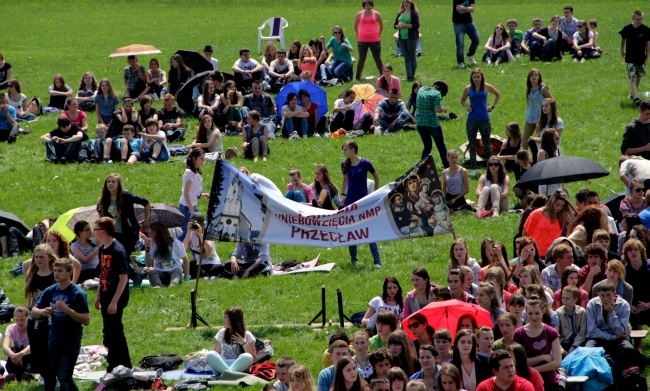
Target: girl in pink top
pixel 387 81
pixel 77 117
pixel 368 25
pixel 307 61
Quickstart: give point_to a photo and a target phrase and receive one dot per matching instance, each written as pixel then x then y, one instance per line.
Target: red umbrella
pixel 445 315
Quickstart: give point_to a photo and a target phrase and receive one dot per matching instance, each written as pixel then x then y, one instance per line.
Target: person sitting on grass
pixel 381 361
pixel 19 101
pixel 9 128
pixel 361 341
pixel 127 115
pixel 246 70
pixel 249 260
pixel 280 71
pixel 85 250
pixel 154 144
pixel 255 137
pixel 208 137
pixel 507 323
pixel 517 45
pixel 386 323
pixel 77 117
pixel 234 346
pixel 135 79
pixel 391 114
pixel 295 117
pixel 505 375
pixel 380 384
pixel 59 93
pixel 484 340
pixel 165 256
pixel 573 320
pixel 429 374
pixel 15 345
pixel 403 352
pixel 63 143
pixel 337 350
pixel 129 145
pixel 298 191
pixel 346 376
pixel 283 366
pixel 170 119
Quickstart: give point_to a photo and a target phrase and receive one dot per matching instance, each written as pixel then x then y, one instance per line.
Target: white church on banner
pixel 233 225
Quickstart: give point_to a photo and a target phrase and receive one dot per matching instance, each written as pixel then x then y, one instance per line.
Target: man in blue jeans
pixel 67 306
pixel 391 113
pixel 428 105
pixel 461 17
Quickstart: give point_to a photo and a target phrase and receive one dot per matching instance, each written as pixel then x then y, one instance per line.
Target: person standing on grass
pixel 355 173
pixel 368 26
pixel 113 292
pixel 192 187
pixel 407 24
pixel 461 17
pixel 429 104
pixel 66 304
pixel 635 47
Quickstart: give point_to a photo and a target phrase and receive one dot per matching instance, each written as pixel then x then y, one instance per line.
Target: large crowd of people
pixel 577 276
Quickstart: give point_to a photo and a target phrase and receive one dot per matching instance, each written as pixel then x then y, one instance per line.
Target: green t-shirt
pixel 376 343
pixel 517 34
pixel 404 31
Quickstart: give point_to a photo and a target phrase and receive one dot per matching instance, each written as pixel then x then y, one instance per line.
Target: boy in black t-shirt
pixel 635 46
pixel 63 143
pixel 170 119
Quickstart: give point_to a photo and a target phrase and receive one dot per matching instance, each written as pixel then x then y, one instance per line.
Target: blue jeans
pixel 64 358
pixel 69 151
pixel 295 195
pixel 385 125
pixel 340 69
pixel 374 250
pixel 418 47
pixel 187 212
pixel 407 46
pixel 535 48
pixel 289 126
pixel 426 134
pixel 548 51
pixel 460 29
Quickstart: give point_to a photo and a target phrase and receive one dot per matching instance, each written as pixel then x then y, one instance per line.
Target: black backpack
pixel 167 362
pixel 633 380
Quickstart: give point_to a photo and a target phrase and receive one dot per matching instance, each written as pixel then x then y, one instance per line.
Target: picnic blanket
pixel 303 267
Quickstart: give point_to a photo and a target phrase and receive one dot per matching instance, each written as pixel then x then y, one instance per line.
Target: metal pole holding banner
pixel 322 310
pixel 339 297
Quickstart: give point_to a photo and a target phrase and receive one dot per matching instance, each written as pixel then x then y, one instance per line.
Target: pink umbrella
pixel 445 315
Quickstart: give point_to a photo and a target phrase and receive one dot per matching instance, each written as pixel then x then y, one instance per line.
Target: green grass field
pixel 71 38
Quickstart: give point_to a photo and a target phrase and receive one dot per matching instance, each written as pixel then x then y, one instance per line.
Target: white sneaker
pixel 333 81
pixel 471 60
pixel 317 135
pixel 582 60
pixel 461 65
pixel 472 173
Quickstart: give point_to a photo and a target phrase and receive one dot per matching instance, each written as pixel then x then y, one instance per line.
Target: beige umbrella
pixel 133 50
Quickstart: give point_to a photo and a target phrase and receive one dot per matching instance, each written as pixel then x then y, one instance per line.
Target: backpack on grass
pixel 166 362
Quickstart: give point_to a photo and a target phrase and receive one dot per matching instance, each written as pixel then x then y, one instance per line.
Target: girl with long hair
pixel 570 277
pixel 208 137
pixel 635 202
pixel 536 92
pixel 295 117
pixel 550 148
pixel 493 187
pixel 59 93
pixel 39 275
pixel 106 103
pixel 390 299
pixel 19 101
pixel 583 43
pixel 77 117
pixel 421 330
pixel 530 275
pixel 527 255
pixel 542 344
pixel 270 54
pixel 300 379
pixel 307 62
pixel 208 102
pixel 546 224
pixel 293 55
pixel 449 378
pixel 615 273
pixel 85 250
pixel 411 102
pixel 192 187
pixel 488 300
pixel 507 323
pixel 407 24
pixel 466 322
pixel 88 87
pixel 347 377
pixel 165 256
pixel 255 137
pixel 473 367
pixel 319 50
pixel 232 102
pixel 422 293
pixel 146 111
pixel 455 182
pixel 178 74
pixel 387 81
pixel 497 277
pixel 234 346
pixel 355 186
pixel 403 356
pixel 497 48
pixel 118 203
pixel 397 379
pixel 201 249
pixel 590 218
pixel 478 117
pixel 637 274
pixel 549 119
pixel 509 149
pixel 326 191
pixel 61 248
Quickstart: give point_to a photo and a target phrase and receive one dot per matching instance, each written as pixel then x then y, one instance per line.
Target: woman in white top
pixel 192 187
pixel 208 102
pixel 208 137
pixel 166 256
pixel 493 187
pixel 196 243
pixel 19 101
pixel 390 299
pixel 85 250
pixel 234 348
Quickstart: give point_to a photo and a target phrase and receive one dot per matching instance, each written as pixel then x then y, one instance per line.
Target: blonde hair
pixel 33 268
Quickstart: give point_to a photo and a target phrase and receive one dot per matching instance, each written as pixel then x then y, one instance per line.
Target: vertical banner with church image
pixel 246 208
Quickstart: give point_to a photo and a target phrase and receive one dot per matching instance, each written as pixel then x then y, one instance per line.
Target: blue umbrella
pixel 316 95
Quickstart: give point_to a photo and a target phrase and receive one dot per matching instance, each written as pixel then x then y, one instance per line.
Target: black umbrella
pixel 196 61
pixel 562 169
pixel 614 205
pixel 13 221
pixel 184 97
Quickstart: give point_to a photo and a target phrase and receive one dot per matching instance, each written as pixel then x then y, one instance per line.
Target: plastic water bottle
pixel 646 94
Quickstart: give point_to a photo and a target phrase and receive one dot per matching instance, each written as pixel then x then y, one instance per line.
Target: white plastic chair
pixel 276 26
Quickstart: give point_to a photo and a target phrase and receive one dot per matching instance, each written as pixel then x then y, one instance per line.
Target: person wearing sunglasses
pixel 551 38
pixel 493 187
pixel 635 202
pixel 633 167
pixel 497 48
pixel 583 43
pixel 340 61
pixel 421 330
